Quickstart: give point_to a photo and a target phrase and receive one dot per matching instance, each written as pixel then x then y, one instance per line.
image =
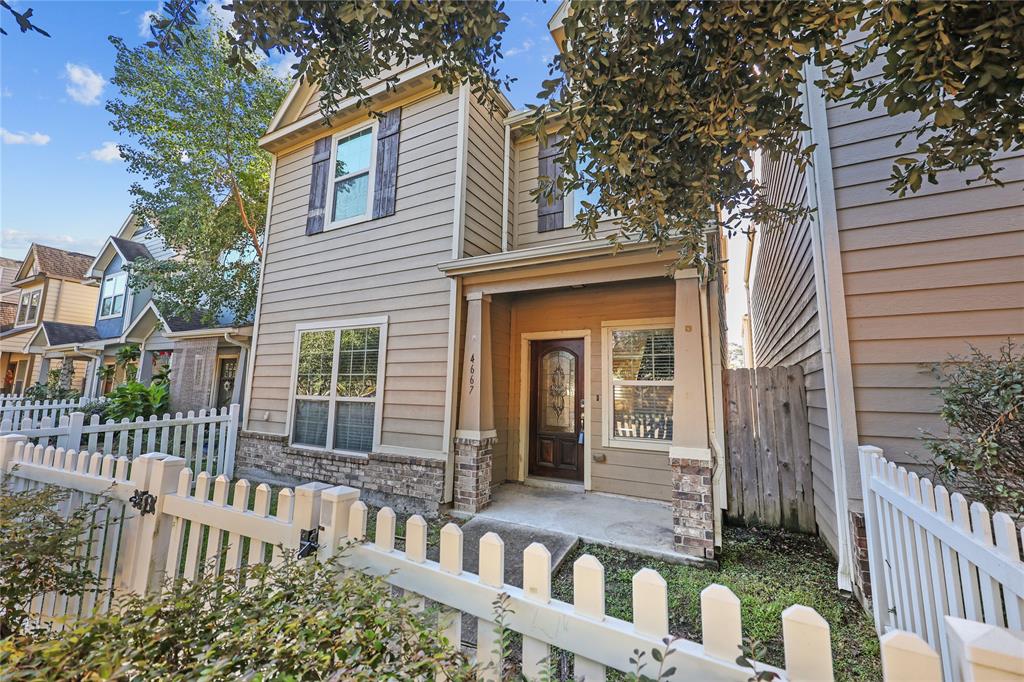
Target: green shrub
pixel 982 456
pixel 38 550
pixel 52 389
pixel 134 399
pixel 298 621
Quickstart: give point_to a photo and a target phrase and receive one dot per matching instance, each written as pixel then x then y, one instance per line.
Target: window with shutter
pixel 386 184
pixel 551 208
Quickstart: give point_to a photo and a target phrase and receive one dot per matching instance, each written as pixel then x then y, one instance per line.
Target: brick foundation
pixel 406 483
pixel 861 567
pixel 473 459
pixel 693 517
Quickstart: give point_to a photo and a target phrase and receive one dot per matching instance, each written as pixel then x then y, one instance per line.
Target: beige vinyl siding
pixel 525 205
pixel 501 369
pixel 485 152
pixel 70 302
pixel 784 320
pixel 378 267
pixel 926 276
pixel 640 473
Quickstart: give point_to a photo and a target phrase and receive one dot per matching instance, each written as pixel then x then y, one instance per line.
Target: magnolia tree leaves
pixel 194 123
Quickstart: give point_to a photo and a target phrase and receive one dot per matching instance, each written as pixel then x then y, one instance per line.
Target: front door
pixel 556 408
pixel 226 381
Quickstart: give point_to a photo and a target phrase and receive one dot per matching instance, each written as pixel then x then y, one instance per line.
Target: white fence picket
pixel 933 555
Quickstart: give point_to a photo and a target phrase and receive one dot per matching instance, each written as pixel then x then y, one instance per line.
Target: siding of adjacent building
pixel 70 302
pixel 640 473
pixel 784 321
pixel 926 276
pixel 379 267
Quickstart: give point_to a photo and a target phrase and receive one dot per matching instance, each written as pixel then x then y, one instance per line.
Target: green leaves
pixel 194 124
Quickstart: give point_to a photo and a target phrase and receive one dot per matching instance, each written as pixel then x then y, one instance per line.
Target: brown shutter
pixel 318 183
pixel 550 209
pixel 385 183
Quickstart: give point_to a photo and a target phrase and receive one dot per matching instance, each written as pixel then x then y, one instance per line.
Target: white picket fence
pixel 169 542
pixel 16 409
pixel 934 555
pixel 207 441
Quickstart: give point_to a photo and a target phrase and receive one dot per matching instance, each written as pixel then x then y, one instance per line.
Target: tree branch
pixel 245 218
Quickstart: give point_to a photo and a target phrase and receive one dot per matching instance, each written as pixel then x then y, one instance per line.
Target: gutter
pixel 537 255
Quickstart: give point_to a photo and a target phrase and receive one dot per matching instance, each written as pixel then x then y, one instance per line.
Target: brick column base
pixel 693 517
pixel 473 459
pixel 861 567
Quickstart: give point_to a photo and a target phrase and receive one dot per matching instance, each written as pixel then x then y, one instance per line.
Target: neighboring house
pixel 50 289
pixel 426 330
pixel 204 358
pixel 874 291
pixel 9 294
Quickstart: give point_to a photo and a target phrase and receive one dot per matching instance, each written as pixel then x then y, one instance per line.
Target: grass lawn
pixel 769 570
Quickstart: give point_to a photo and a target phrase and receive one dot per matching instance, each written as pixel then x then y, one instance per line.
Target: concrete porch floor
pixel 641 526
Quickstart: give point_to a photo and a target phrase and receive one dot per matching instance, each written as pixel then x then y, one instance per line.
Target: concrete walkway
pixel 642 526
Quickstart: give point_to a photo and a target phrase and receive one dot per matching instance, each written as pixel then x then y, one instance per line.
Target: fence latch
pixel 308 542
pixel 143 501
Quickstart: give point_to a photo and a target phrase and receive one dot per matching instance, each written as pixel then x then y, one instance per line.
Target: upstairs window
pixel 641 373
pixel 352 183
pixel 28 307
pixel 337 398
pixel 113 294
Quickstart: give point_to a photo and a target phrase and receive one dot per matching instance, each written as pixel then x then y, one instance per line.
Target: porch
pixel 597 374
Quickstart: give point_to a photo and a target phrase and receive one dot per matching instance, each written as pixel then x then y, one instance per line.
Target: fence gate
pixel 769 449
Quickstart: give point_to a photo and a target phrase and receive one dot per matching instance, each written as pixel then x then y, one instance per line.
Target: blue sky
pixel 61 181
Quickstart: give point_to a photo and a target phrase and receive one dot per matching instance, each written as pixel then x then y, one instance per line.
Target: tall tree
pixel 663 105
pixel 194 123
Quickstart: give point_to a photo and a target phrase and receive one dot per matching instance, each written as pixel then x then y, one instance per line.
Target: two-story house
pixel 204 359
pixel 428 330
pixel 874 290
pixel 51 292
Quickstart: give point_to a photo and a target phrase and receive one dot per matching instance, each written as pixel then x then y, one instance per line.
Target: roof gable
pixel 129 251
pixel 54 262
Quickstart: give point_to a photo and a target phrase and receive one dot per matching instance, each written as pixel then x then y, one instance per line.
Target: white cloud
pixel 7 92
pixel 107 153
pixel 17 241
pixel 85 86
pixel 283 69
pixel 37 139
pixel 524 47
pixel 145 19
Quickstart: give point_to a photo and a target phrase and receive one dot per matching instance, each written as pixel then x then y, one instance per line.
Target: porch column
pixel 690 455
pixel 90 379
pixel 145 371
pixel 240 374
pixel 475 435
pixel 44 369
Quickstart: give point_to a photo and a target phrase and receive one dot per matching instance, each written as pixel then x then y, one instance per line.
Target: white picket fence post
pixel 932 555
pixel 985 653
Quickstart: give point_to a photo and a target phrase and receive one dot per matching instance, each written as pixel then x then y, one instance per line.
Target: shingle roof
pixel 9 262
pixel 61 263
pixel 61 333
pixel 132 251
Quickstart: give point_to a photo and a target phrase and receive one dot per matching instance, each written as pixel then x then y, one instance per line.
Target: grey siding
pixel 926 276
pixel 484 153
pixel 784 320
pixel 378 267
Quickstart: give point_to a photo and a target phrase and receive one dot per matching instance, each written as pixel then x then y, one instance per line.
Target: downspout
pixel 828 279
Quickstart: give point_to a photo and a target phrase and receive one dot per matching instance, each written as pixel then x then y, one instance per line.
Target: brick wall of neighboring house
pixel 861 568
pixel 192 373
pixel 408 484
pixel 8 311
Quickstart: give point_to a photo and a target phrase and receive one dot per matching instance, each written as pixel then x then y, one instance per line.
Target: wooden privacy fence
pixel 769 449
pixel 16 409
pixel 932 555
pixel 188 527
pixel 206 441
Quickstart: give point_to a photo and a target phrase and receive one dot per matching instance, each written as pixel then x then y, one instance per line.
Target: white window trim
pixel 332 179
pixel 21 302
pixel 103 288
pixel 608 440
pixel 378 400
